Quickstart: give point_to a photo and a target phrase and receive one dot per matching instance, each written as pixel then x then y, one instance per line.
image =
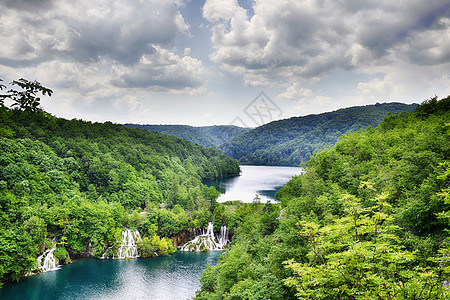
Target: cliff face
pixel 182 238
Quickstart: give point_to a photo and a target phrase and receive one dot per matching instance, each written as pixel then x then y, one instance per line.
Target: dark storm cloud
pixel 121 34
pixel 395 24
pixel 27 5
pixel 124 42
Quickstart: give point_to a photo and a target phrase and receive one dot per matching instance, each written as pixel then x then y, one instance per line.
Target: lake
pixel 169 277
pixel 262 180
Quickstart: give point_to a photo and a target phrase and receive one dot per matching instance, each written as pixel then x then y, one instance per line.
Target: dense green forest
pixel 78 184
pixel 293 141
pixel 206 136
pixel 369 219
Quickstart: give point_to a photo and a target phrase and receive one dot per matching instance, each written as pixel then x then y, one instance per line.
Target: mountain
pixel 293 141
pixel 206 136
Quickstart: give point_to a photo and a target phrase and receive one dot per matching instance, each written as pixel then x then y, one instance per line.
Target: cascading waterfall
pixel 223 237
pixel 46 261
pixel 128 248
pixel 207 241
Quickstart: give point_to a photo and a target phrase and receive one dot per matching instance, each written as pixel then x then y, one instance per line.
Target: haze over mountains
pixel 206 136
pixel 285 142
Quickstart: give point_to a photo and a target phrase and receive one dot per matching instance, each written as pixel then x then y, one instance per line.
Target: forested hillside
pixel 206 136
pixel 76 185
pixel 293 141
pixel 369 219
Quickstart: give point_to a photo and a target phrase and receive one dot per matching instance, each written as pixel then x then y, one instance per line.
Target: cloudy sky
pixel 236 62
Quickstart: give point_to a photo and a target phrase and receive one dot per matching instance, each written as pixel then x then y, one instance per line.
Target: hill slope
pixel 206 136
pixel 368 219
pixel 293 141
pixel 76 185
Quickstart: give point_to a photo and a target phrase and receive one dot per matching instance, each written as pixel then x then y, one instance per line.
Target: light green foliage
pixel 251 268
pixel 62 255
pixel 152 246
pixel 359 256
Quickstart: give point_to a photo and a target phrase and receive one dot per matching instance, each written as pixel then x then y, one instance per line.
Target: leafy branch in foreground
pixel 26 99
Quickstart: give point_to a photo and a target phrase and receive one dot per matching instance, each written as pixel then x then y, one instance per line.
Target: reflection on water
pixel 262 180
pixel 169 277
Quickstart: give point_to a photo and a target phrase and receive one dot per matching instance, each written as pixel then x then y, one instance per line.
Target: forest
pixel 76 185
pixel 286 142
pixel 369 219
pixel 294 141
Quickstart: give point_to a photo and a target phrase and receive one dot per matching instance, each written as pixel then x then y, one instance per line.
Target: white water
pixel 207 241
pixel 128 248
pixel 223 237
pixel 46 261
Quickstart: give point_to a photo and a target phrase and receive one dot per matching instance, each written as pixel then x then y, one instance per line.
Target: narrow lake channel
pixel 264 181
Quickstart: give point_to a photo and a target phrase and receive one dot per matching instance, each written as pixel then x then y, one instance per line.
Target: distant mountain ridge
pixel 288 142
pixel 206 136
pixel 293 141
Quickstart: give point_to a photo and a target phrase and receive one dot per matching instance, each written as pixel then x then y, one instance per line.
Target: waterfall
pixel 223 237
pixel 210 230
pixel 128 248
pixel 46 261
pixel 207 241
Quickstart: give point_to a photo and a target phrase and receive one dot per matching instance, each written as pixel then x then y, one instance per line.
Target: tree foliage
pixel 23 101
pixel 206 136
pixel 294 141
pixel 81 183
pixel 369 219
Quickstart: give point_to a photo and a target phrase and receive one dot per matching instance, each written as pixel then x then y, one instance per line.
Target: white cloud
pixel 110 58
pixel 295 91
pixel 314 105
pixel 289 40
pixel 76 37
pixel 375 89
pixel 161 70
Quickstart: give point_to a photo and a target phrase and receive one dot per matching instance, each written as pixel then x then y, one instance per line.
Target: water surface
pixel 169 277
pixel 264 181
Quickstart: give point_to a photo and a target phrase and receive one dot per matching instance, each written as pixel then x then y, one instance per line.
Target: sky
pixel 221 62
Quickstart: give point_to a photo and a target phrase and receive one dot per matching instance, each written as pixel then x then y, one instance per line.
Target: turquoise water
pixel 170 277
pixel 263 181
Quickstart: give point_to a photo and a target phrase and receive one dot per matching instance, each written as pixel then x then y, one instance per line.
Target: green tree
pixel 359 256
pixel 24 100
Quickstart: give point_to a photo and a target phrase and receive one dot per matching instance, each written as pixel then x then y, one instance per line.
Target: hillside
pixel 293 141
pixel 369 219
pixel 76 185
pixel 206 136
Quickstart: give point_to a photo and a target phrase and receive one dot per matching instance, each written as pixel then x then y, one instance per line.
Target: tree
pixel 25 100
pixel 359 257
